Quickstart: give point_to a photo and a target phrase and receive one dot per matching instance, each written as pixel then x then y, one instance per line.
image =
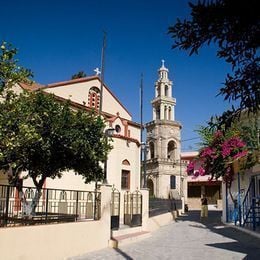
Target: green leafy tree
pixel 80 74
pixel 10 72
pixel 222 150
pixel 234 27
pixel 44 137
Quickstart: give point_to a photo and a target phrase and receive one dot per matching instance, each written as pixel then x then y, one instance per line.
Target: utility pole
pixel 102 72
pixel 141 134
pixel 141 107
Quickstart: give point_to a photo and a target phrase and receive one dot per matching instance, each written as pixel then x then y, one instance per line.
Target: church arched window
pixel 151 148
pixel 158 91
pixel 169 113
pixel 158 113
pixel 125 162
pixel 166 90
pixel 171 150
pixel 94 97
pixel 165 113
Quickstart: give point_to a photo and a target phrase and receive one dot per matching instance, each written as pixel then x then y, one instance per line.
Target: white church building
pixel 123 164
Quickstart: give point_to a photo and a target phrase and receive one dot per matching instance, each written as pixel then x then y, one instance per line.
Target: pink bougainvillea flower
pixel 196 173
pixel 218 134
pixel 240 154
pixel 208 151
pixel 201 171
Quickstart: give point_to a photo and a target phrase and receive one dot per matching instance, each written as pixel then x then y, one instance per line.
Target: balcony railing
pixel 28 207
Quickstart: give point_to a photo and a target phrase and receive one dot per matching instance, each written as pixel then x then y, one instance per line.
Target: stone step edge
pixel 131 235
pixel 127 238
pixel 124 231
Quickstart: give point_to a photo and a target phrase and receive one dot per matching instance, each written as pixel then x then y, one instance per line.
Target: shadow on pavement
pixel 122 253
pixel 244 243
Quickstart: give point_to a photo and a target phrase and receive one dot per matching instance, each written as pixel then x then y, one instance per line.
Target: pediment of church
pixel 87 92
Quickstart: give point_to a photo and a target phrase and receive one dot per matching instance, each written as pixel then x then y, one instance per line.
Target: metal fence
pixel 159 206
pixel 133 208
pixel 29 207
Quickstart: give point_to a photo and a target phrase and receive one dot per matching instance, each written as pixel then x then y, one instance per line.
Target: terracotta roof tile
pixel 33 86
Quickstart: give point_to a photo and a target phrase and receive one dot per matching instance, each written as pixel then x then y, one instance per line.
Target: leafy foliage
pixel 80 74
pixel 234 27
pixel 220 148
pixel 45 138
pixel 10 72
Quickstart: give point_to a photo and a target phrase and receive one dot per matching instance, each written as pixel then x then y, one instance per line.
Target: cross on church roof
pixel 97 71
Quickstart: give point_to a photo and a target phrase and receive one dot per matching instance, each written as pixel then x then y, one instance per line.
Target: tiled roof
pixel 33 86
pixel 37 86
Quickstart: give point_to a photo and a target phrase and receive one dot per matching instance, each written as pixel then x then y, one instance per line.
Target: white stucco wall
pixel 56 242
pixel 3 178
pixel 123 150
pixel 75 92
pixel 78 92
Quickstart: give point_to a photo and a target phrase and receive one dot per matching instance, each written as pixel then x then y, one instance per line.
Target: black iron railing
pixel 158 206
pixel 30 207
pixel 251 206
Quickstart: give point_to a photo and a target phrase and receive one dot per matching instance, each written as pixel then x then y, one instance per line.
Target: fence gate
pixel 115 208
pixel 133 208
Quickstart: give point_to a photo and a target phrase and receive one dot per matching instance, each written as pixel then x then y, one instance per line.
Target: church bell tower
pixel 163 137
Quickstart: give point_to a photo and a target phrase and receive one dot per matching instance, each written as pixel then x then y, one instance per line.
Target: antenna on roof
pixel 102 71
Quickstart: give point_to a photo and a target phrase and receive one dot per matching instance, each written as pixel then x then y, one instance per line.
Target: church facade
pixel 123 163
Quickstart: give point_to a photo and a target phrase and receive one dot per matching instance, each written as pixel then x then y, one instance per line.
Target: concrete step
pixel 117 241
pixel 124 229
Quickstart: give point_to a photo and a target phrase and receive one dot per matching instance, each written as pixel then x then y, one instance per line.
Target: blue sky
pixel 59 38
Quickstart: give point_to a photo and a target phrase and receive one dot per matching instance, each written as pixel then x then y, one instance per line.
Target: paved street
pixel 188 238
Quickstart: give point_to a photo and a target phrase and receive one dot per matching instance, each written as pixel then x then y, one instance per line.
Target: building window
pixel 118 128
pixel 125 180
pixel 173 182
pixel 194 191
pixel 126 162
pixel 93 97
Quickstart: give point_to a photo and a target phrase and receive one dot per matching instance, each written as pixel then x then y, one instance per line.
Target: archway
pixel 171 150
pixel 150 186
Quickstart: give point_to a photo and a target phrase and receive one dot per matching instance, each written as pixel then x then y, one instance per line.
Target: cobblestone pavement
pixel 187 238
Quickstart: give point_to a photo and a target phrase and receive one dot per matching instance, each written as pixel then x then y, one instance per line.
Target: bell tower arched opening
pixel 171 148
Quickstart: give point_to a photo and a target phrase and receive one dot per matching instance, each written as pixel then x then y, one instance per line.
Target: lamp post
pixel 144 148
pixel 108 133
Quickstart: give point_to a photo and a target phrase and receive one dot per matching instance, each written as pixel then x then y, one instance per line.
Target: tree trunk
pixel 35 201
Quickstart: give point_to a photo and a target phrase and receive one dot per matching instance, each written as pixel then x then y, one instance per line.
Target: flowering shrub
pixel 217 157
pixel 224 153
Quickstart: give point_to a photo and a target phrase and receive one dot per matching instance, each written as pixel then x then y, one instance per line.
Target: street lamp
pixel 108 133
pixel 144 148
